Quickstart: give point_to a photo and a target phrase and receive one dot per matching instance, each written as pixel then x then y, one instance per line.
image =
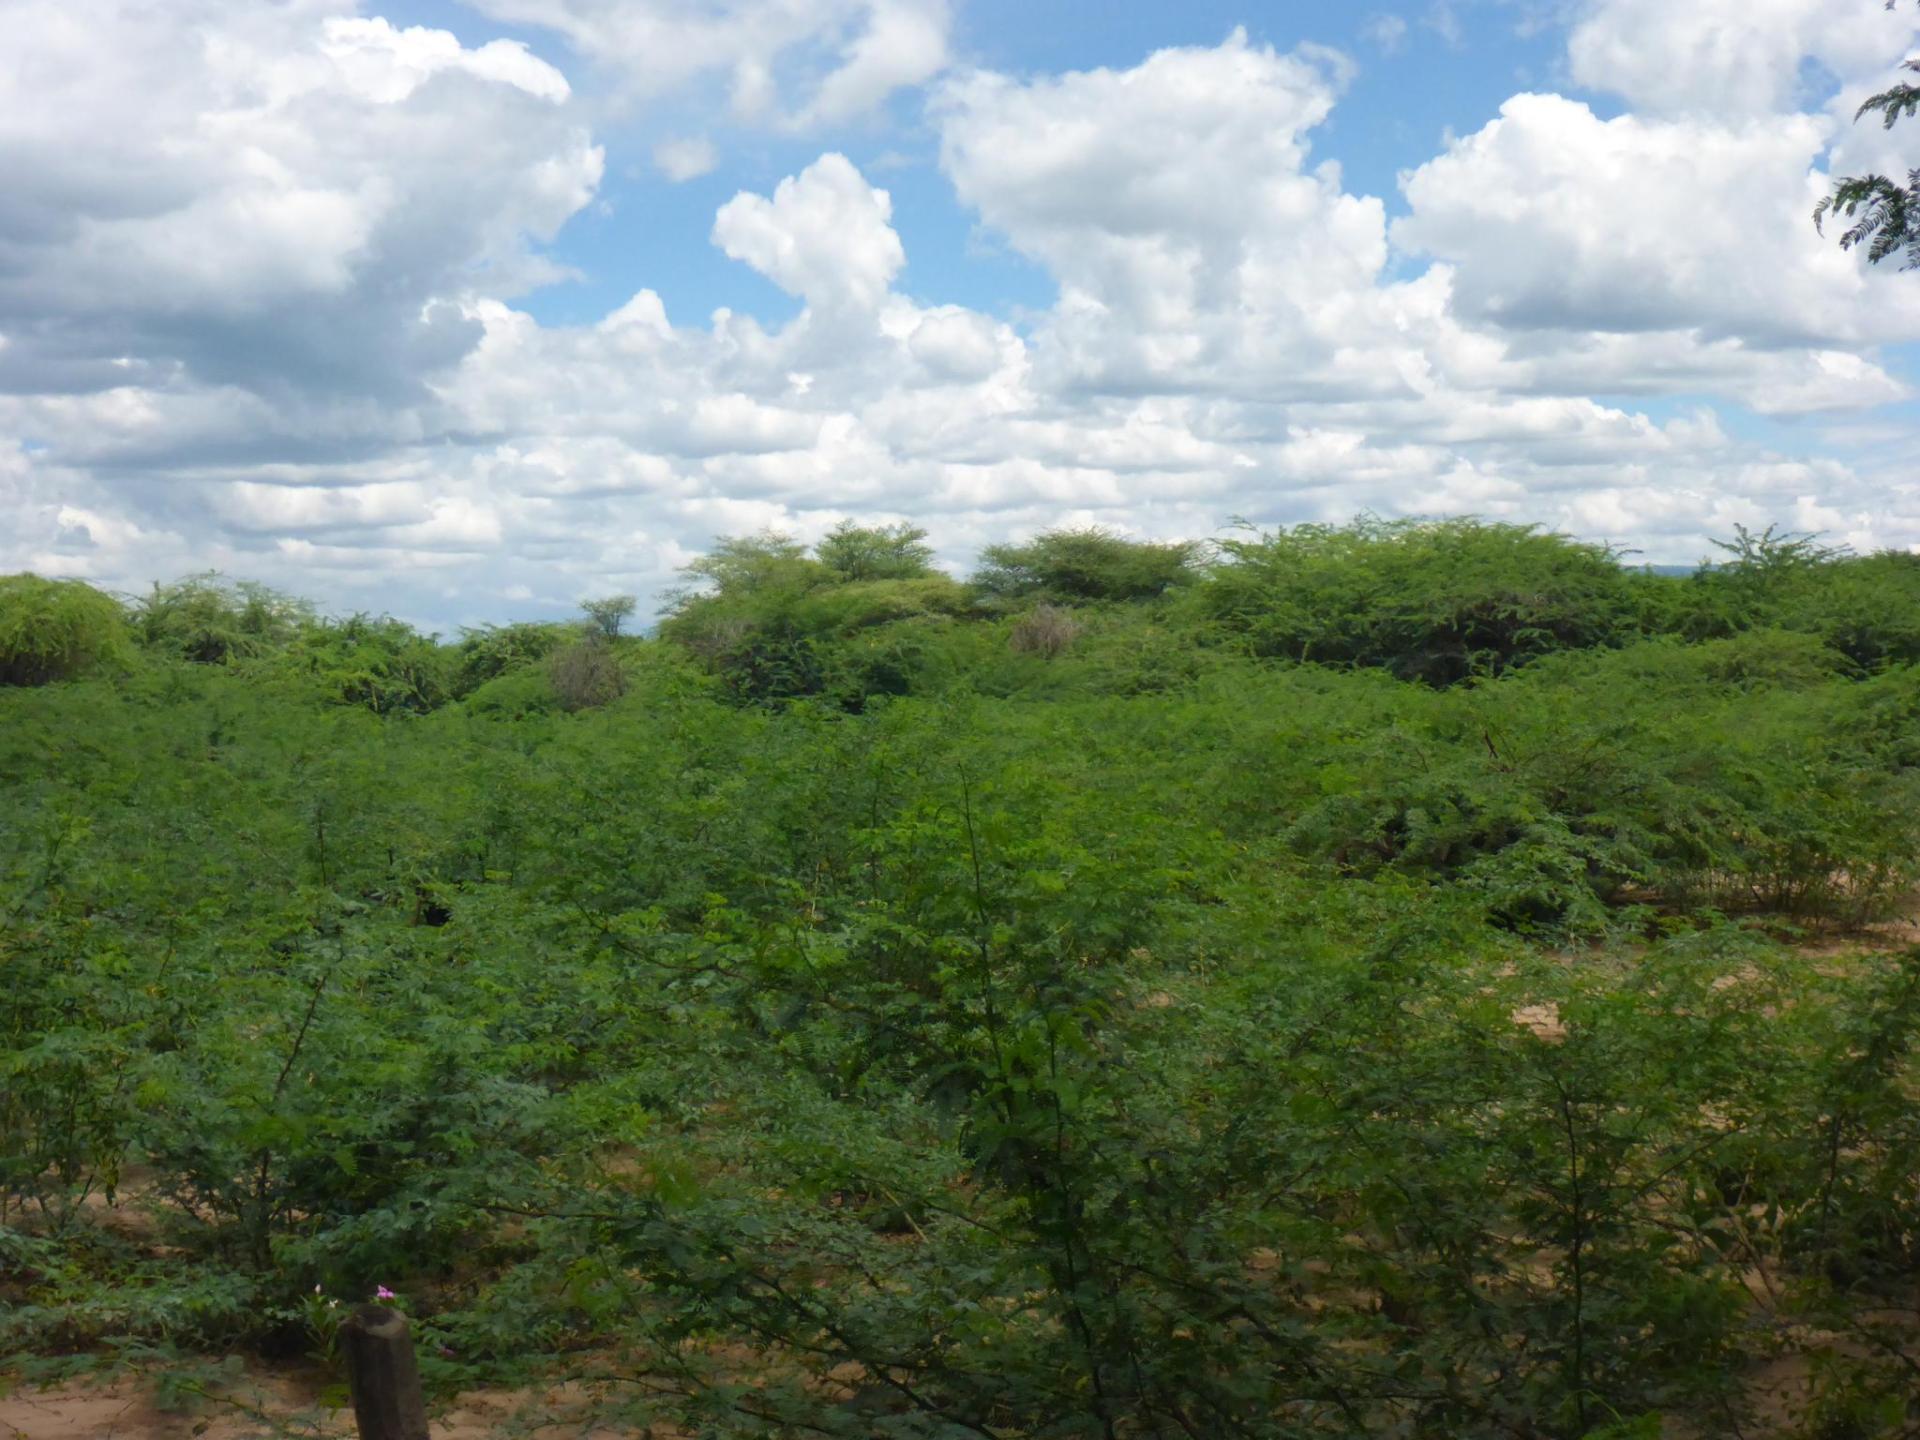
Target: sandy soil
pixel 124 1409
pixel 268 1406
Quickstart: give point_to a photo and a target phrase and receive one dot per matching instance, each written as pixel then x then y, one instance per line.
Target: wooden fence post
pixel 382 1376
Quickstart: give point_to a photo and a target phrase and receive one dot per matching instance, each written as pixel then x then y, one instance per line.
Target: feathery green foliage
pixel 495 650
pixel 1431 601
pixel 1138 1035
pixel 1885 214
pixel 1864 607
pixel 378 662
pixel 883 552
pixel 56 629
pixel 776 625
pixel 1085 565
pixel 212 621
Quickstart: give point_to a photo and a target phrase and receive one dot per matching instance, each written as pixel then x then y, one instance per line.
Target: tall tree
pixel 607 615
pixel 877 552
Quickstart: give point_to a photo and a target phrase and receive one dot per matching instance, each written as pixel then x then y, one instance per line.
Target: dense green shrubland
pixel 883 1007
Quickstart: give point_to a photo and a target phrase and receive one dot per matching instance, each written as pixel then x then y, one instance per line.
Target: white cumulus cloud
pixel 261 272
pixel 685 157
pixel 829 60
pixel 224 193
pixel 1729 58
pixel 1554 218
pixel 824 235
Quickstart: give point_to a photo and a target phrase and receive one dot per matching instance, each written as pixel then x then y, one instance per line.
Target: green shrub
pixel 486 654
pixel 377 662
pixel 859 605
pixel 515 695
pixel 1763 579
pixel 1763 659
pixel 55 629
pixel 1434 601
pixel 1865 607
pixel 765 663
pixel 1085 565
pixel 212 621
pixel 1778 659
pixel 774 625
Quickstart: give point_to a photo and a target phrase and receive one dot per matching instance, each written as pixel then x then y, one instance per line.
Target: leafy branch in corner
pixel 1885 215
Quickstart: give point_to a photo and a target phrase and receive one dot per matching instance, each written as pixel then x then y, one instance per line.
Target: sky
pixel 464 310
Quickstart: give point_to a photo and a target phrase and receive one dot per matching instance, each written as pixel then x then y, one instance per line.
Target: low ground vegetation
pixel 1407 980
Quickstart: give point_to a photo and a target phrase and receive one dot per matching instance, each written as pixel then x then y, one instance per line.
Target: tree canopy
pixel 882 552
pixel 1085 564
pixel 607 615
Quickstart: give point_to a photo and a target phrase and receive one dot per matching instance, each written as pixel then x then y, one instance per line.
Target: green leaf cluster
pixel 1885 214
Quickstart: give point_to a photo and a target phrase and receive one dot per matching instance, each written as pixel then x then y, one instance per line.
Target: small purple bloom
pixel 383 1293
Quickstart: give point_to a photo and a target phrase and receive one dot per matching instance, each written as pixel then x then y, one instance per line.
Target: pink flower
pixel 383 1293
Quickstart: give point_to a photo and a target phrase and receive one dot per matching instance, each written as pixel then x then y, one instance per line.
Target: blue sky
pixel 393 302
pixel 1415 78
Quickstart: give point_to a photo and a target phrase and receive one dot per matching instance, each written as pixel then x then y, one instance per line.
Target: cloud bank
pixel 262 274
